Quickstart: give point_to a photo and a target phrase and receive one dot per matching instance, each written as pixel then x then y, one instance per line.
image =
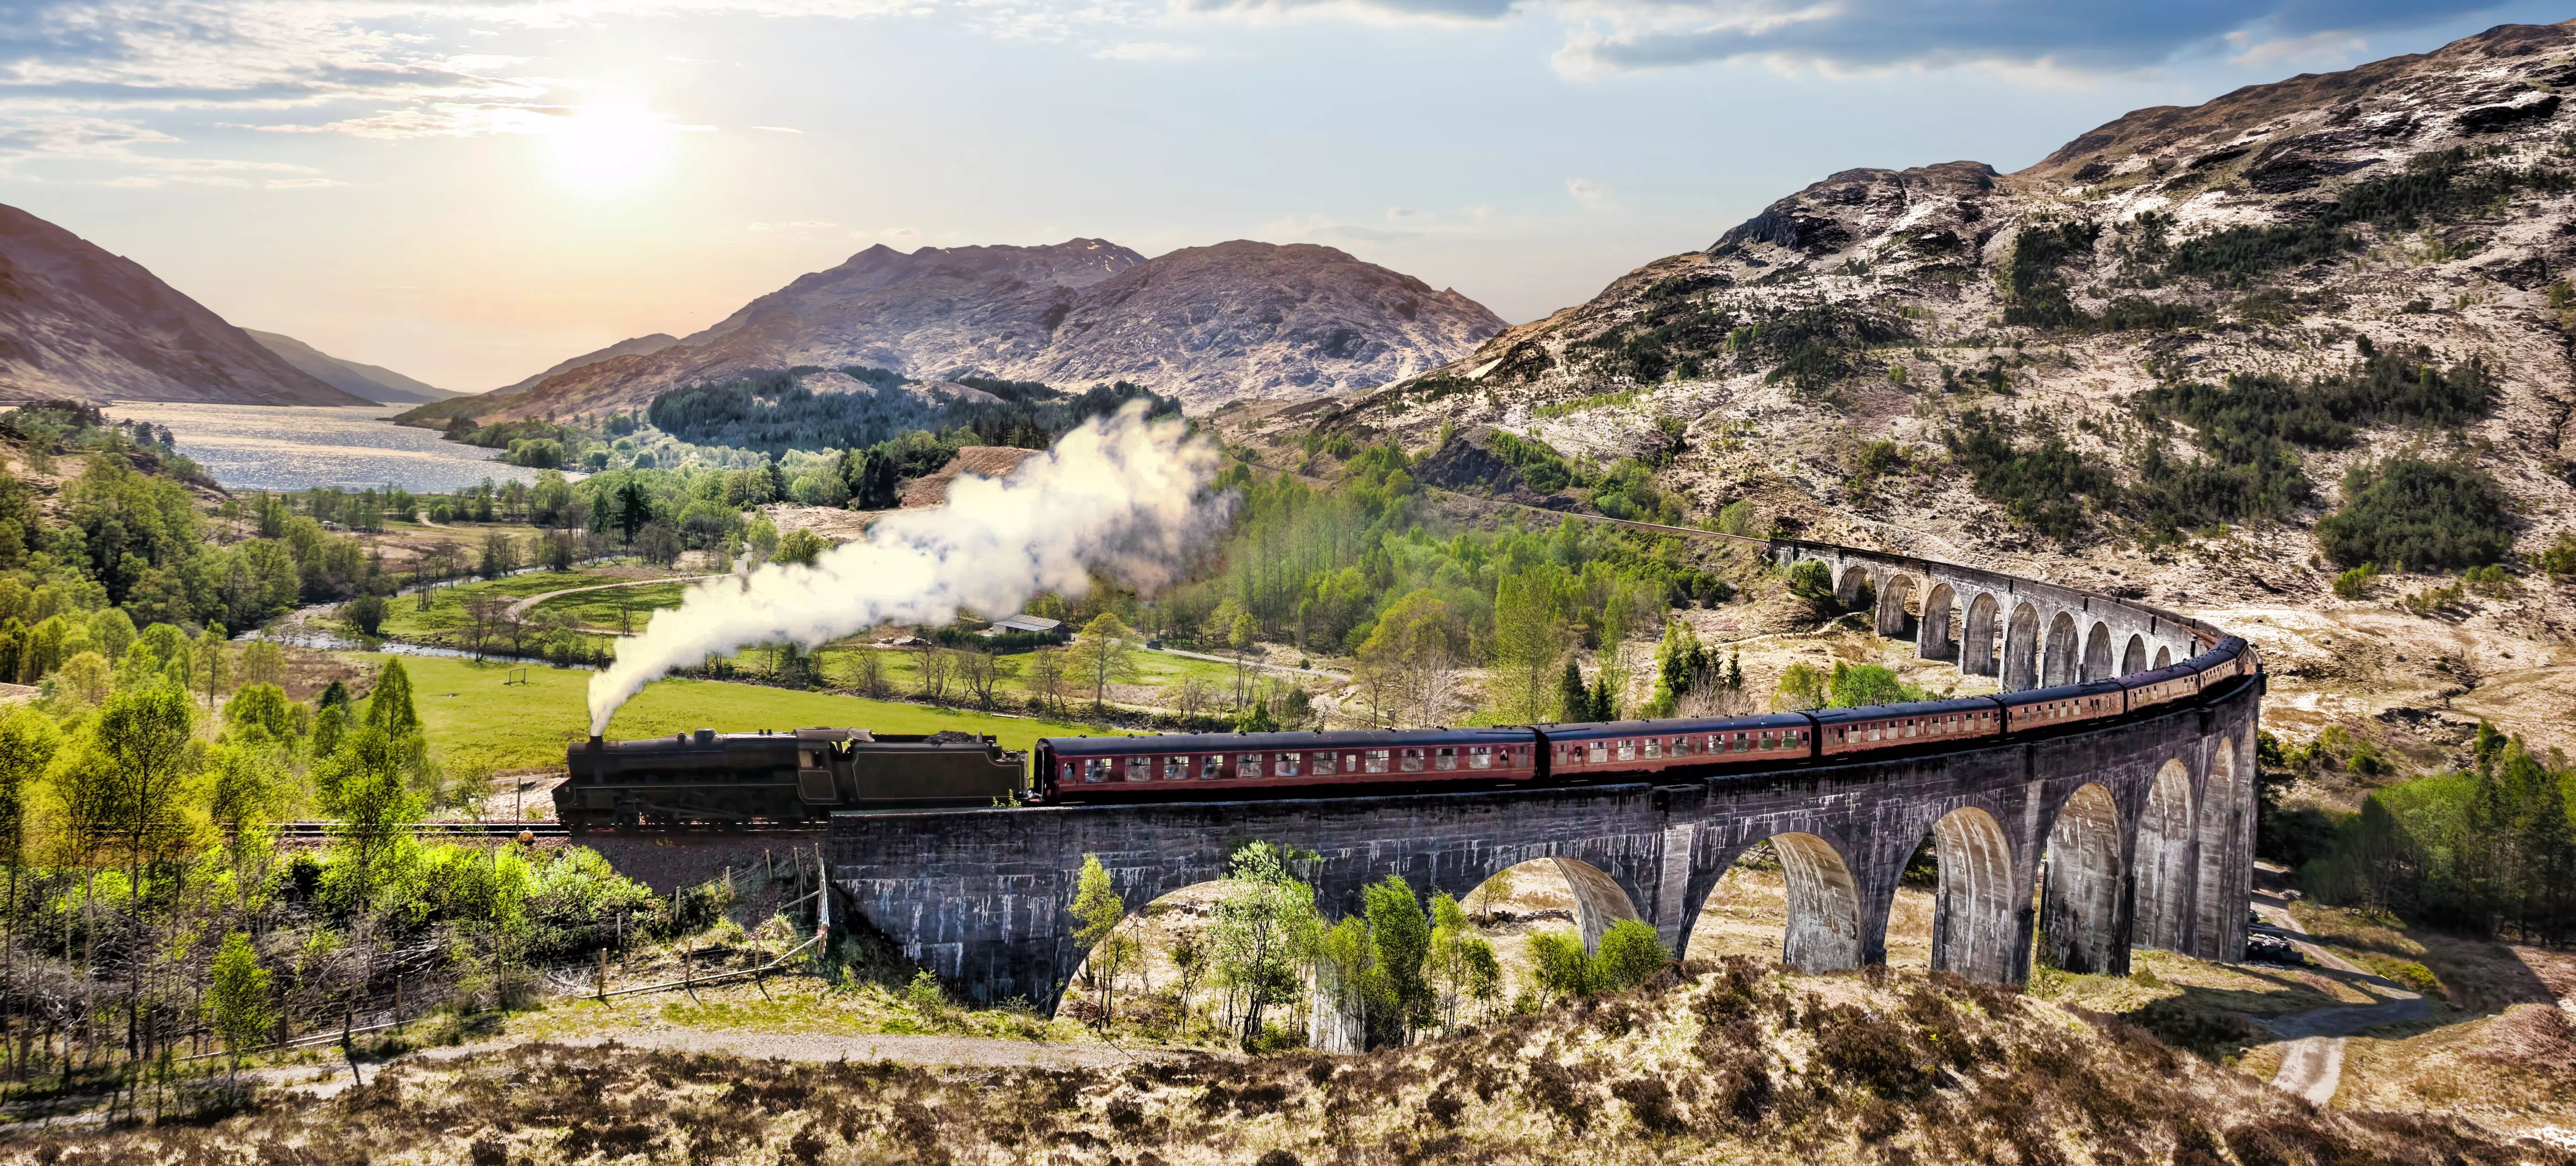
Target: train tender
pixel 731 778
pixel 807 774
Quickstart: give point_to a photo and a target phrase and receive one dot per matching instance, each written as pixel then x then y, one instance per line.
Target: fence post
pixel 603 975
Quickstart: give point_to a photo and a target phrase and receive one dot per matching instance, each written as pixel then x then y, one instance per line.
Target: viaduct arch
pixel 2134 833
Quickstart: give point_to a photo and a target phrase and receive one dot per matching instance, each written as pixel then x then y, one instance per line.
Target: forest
pixel 2487 850
pixel 150 911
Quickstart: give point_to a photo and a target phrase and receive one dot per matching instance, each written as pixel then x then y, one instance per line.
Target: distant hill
pixel 382 385
pixel 78 322
pixel 632 346
pixel 1205 324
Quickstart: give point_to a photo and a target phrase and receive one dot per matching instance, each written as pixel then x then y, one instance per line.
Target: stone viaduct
pixel 2136 833
pixel 2024 633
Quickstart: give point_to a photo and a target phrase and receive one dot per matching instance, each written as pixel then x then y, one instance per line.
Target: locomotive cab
pixel 708 777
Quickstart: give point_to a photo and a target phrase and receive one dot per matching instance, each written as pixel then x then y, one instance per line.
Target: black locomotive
pixel 798 776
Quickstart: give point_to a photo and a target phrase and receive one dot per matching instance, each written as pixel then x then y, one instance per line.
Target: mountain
pixel 78 322
pixel 2155 360
pixel 378 384
pixel 637 345
pixel 1206 324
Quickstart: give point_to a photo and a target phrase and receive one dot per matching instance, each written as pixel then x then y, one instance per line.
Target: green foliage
pixel 2042 485
pixel 2433 186
pixel 2355 583
pixel 2490 851
pixel 775 412
pixel 1630 954
pixel 1400 934
pixel 1812 581
pixel 801 547
pixel 1096 903
pixel 2426 515
pixel 237 998
pixel 2560 558
pixel 1559 965
pixel 2037 295
pixel 1802 686
pixel 1810 345
pixel 1540 465
pixel 1858 685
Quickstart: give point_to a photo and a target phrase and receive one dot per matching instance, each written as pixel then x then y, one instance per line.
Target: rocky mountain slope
pixel 373 382
pixel 631 346
pixel 78 322
pixel 2146 363
pixel 1207 324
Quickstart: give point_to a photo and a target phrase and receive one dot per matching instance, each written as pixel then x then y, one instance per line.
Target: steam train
pixel 806 775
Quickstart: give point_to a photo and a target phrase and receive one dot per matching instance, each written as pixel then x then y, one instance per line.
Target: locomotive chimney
pixel 594 742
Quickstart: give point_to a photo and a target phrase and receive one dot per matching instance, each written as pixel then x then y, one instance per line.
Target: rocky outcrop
pixel 1205 324
pixel 78 322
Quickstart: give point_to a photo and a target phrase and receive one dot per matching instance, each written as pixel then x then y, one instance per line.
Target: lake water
pixel 262 447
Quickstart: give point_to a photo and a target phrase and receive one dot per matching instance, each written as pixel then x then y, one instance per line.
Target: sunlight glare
pixel 609 145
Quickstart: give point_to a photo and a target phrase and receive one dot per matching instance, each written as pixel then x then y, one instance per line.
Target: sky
pixel 467 192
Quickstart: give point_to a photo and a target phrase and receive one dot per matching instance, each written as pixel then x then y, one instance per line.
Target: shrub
pixel 2560 558
pixel 2428 515
pixel 1630 953
pixel 2355 583
pixel 1813 581
pixel 2041 485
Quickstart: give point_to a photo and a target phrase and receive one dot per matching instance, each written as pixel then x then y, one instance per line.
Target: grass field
pixel 470 712
pixel 446 612
pixel 620 609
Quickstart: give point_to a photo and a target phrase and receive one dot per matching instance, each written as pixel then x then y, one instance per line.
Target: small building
pixel 1024 622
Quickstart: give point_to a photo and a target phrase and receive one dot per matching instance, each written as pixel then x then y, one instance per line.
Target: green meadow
pixel 471 710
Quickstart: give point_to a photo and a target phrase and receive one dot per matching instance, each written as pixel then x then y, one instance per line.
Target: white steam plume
pixel 1120 494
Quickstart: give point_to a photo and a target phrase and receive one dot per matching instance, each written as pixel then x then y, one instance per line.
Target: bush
pixel 2355 583
pixel 1812 581
pixel 2426 515
pixel 1630 953
pixel 2560 558
pixel 365 613
pixel 2042 485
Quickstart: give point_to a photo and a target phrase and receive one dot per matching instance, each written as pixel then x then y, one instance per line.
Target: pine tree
pixel 1574 702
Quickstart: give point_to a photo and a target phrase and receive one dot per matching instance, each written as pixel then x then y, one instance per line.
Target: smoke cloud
pixel 1121 495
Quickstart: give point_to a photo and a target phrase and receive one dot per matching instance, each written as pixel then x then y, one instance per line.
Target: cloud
pixel 1588 192
pixel 1612 36
pixel 777 130
pixel 1372 11
pixel 800 225
pixel 1148 51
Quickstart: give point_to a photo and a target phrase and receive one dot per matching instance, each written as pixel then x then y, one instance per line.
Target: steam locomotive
pixel 806 775
pixel 799 776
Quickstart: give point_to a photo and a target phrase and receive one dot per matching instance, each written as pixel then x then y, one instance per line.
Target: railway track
pixel 439 829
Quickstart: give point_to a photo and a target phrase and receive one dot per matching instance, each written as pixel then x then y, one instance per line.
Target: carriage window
pixel 1766 740
pixel 1910 729
pixel 1681 747
pixel 1247 765
pixel 1600 752
pixel 1444 759
pixel 1140 769
pixel 1482 757
pixel 1654 747
pixel 1095 769
pixel 1377 760
pixel 1410 761
pixel 1176 768
pixel 1743 741
pixel 1212 766
pixel 1324 766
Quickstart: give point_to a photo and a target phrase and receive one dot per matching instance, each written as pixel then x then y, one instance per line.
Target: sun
pixel 608 145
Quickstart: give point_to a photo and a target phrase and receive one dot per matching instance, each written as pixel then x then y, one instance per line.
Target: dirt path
pixel 1254 664
pixel 2313 1066
pixel 522 607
